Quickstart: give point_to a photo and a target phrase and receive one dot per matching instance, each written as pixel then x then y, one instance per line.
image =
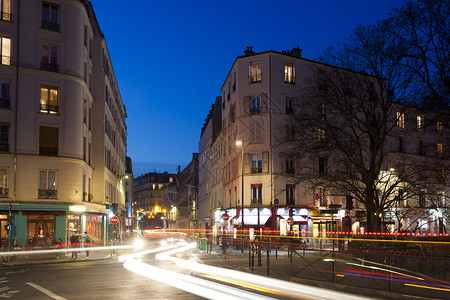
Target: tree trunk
pixel 373 221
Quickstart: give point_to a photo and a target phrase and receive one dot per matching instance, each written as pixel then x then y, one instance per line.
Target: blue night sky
pixel 171 58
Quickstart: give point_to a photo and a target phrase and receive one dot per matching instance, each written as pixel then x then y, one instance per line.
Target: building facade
pixel 257 182
pixel 53 132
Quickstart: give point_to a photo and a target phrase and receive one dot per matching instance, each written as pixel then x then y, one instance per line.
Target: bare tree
pixel 349 114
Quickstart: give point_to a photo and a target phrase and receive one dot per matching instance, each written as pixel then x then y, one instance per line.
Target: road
pixel 160 272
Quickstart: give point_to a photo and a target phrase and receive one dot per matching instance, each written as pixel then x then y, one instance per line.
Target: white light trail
pixel 27 252
pixel 193 285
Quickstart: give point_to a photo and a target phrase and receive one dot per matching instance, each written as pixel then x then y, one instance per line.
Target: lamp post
pixel 240 143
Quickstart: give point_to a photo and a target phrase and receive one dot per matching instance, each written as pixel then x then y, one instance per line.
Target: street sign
pixel 225 217
pixel 289 221
pixel 114 220
pixel 317 196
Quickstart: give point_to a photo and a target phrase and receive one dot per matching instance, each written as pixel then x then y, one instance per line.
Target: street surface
pixel 180 271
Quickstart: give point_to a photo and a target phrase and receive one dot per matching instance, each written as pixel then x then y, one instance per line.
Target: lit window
pixel 6 50
pixel 439 127
pixel 441 199
pixel 420 123
pixel 400 119
pixel 289 74
pixel 321 136
pixel 49 100
pixel 439 149
pixel 255 72
pixel 5 10
pixel 4 191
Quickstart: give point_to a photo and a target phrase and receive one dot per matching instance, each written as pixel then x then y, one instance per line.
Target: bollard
pixel 259 255
pixel 268 262
pixel 292 267
pixel 249 257
pixel 276 251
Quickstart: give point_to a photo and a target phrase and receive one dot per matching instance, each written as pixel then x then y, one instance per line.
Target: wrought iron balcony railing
pixel 50 25
pixel 47 194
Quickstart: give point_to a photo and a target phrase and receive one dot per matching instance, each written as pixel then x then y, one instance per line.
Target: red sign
pixel 114 220
pixel 317 196
pixel 289 221
pixel 225 217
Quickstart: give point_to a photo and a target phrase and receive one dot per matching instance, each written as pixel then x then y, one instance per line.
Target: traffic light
pixel 349 202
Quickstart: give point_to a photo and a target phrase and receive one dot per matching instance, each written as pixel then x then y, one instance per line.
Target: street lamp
pixel 240 143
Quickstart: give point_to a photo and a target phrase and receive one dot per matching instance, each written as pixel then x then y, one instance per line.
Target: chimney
pixel 296 52
pixel 179 169
pixel 249 50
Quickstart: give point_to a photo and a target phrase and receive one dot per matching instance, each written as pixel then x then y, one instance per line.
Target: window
pixel 422 202
pixel 4 138
pixel 50 19
pixel 5 50
pixel 289 108
pixel 234 81
pixel 5 101
pixel 257 163
pixel 400 119
pixel 322 199
pixel 290 192
pixel 421 149
pixel 289 74
pixel 85 111
pixel 4 191
pixel 420 123
pixel 321 136
pixel 49 60
pixel 441 175
pixel 400 145
pixel 441 199
pixel 439 149
pixel 5 10
pixel 290 166
pixel 290 132
pixel 322 165
pixel 256 193
pixel 48 141
pixel 47 184
pixel 254 72
pixel 439 127
pixel 49 100
pixel 255 106
pixel 324 111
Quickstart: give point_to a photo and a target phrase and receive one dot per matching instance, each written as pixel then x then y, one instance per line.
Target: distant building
pixel 62 123
pixel 147 197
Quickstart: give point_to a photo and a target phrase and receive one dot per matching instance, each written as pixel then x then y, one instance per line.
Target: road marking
pixel 45 291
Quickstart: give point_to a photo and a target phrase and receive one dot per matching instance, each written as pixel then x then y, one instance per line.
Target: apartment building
pixel 148 197
pixel 257 183
pixel 53 148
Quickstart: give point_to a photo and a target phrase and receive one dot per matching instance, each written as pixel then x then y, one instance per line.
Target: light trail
pixel 193 285
pixel 32 252
pixel 281 287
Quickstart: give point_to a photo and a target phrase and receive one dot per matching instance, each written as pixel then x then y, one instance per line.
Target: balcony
pixel 5 103
pixel 49 25
pixel 47 194
pixel 51 67
pixel 49 109
pixel 257 170
pixel 5 16
pixel 4 192
pixel 4 148
pixel 6 60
